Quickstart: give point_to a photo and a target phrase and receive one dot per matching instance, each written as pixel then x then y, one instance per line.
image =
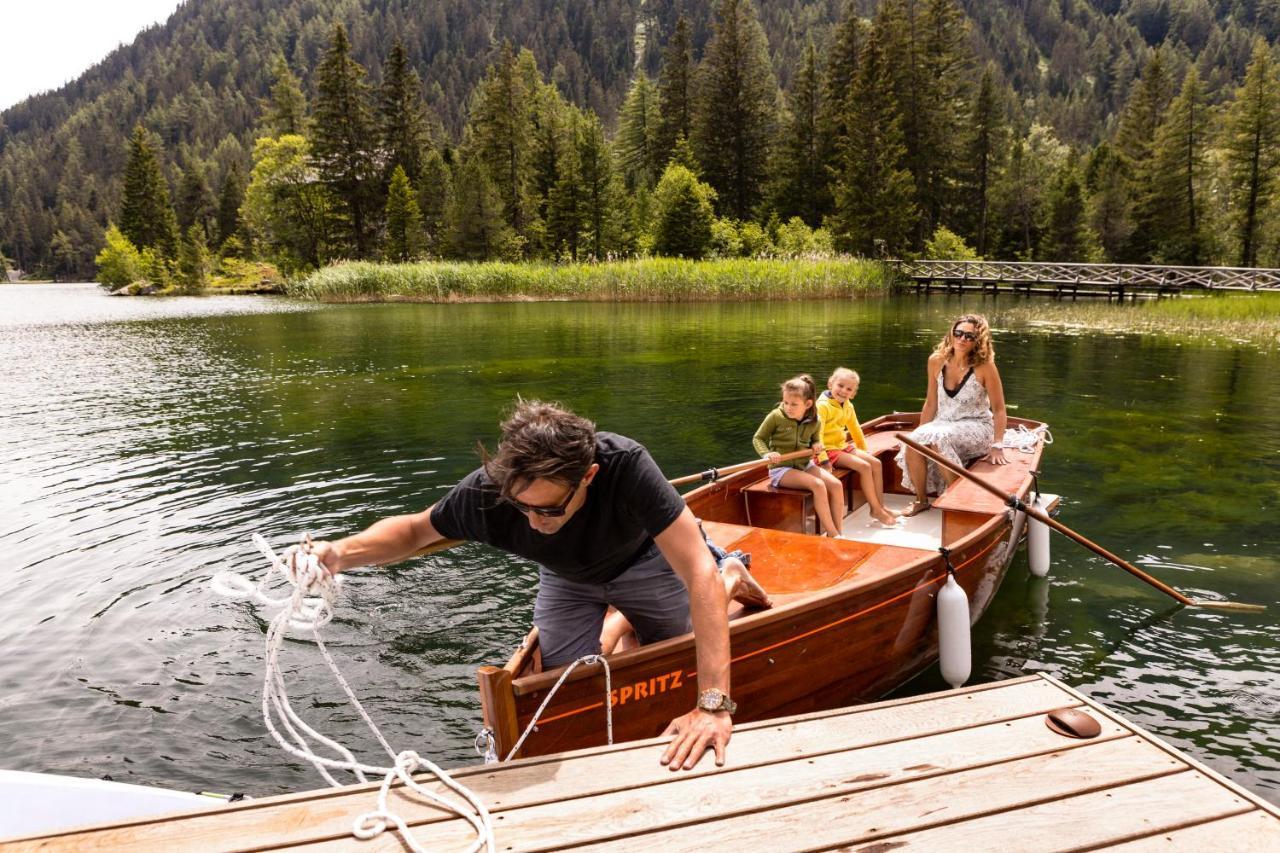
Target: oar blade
pixel 1238 606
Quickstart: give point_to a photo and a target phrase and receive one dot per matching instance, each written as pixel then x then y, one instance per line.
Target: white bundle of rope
pixel 310 607
pixel 1021 438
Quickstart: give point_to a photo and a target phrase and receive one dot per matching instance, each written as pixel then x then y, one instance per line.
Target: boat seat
pixel 963 496
pixel 781 508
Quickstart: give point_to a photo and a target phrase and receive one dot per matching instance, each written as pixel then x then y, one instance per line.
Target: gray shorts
pixel 569 615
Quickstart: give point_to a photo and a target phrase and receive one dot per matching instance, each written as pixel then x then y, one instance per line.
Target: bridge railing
pixel 1129 276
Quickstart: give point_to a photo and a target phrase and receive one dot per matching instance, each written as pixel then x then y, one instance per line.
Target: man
pixel 606 528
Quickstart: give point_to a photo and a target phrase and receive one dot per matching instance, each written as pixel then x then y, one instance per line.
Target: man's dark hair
pixel 541 441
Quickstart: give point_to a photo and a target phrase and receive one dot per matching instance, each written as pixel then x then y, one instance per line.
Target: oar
pixel 714 474
pixel 1013 501
pixel 706 476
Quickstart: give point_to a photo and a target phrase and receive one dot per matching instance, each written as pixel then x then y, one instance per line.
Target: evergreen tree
pixel 683 211
pixel 193 260
pixel 1108 205
pixel 1178 177
pixel 1252 150
pixel 502 133
pixel 404 240
pixel 601 189
pixel 230 198
pixel 675 93
pixel 1065 237
pixel 841 70
pixel 637 134
pixel 476 227
pixel 146 216
pixel 342 142
pixel 737 98
pixel 553 120
pixel 433 199
pixel 945 60
pixel 801 179
pixel 875 209
pixel 286 208
pixel 567 209
pixel 195 204
pixel 984 152
pixel 1134 139
pixel 287 110
pixel 402 118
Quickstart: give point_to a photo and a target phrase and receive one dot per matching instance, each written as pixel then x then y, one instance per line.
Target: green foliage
pixel 433 199
pixel 230 198
pixel 403 124
pixel 287 111
pixel 119 262
pixel 637 144
pixel 1065 237
pixel 946 245
pixel 405 237
pixel 475 226
pixel 801 182
pixel 286 207
pixel 1179 177
pixel 502 135
pixel 675 94
pixel 237 274
pixel 146 217
pixel 193 261
pixel 1252 151
pixel 683 213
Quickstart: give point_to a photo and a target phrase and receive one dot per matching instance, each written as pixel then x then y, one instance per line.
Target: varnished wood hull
pixel 870 627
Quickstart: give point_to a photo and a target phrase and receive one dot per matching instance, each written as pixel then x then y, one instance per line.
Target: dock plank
pixel 1255 831
pixel 1087 821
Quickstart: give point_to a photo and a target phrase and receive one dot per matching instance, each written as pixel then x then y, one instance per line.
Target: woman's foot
pixel 742 587
pixel 916 507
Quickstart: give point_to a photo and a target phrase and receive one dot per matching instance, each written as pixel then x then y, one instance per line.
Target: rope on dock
pixel 310 607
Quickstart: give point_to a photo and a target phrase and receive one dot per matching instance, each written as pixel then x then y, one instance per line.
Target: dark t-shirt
pixel 628 503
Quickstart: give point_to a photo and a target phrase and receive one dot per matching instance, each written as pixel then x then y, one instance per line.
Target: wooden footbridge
pixel 1074 280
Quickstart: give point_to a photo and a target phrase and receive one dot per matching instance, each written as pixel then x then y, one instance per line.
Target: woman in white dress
pixel 963 411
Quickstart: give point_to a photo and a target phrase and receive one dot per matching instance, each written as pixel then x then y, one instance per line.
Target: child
pixel 845 444
pixel 792 426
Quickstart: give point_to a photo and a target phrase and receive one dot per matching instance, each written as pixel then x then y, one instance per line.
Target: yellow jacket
pixel 839 423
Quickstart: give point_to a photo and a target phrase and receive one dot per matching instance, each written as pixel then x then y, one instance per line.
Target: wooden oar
pixel 705 476
pixel 714 474
pixel 1013 501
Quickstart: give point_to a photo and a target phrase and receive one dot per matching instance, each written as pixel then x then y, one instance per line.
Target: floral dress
pixel 962 429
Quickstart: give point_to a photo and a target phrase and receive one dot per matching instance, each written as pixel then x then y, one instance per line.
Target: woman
pixel 963 411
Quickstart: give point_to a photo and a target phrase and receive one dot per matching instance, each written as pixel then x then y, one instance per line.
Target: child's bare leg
pixel 796 479
pixel 867 482
pixel 616 635
pixel 835 494
pixel 877 470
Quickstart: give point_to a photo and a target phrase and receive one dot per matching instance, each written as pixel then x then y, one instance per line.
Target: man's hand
pixel 327 554
pixel 693 733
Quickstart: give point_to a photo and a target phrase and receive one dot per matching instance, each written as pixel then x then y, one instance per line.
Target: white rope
pixel 310 606
pixel 608 702
pixel 1023 439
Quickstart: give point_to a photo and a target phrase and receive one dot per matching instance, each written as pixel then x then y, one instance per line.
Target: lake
pixel 144 441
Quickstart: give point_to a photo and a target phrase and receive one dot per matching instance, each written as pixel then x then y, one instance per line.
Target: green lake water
pixel 145 440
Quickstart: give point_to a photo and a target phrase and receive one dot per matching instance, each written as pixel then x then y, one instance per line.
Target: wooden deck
pixel 975 768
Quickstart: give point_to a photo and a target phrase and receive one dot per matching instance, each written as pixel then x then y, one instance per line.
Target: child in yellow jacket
pixel 845 444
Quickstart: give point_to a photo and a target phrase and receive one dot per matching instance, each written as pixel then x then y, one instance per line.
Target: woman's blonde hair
pixel 983 350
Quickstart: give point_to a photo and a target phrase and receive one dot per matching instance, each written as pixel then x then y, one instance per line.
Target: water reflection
pixel 144 440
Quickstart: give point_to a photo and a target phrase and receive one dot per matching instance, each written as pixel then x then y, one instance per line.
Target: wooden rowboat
pixel 851 620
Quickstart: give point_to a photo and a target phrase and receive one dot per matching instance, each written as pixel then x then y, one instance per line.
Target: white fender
pixel 1038 541
pixel 954 655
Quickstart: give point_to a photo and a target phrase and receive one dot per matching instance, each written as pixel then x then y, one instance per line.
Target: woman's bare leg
pixel 917 470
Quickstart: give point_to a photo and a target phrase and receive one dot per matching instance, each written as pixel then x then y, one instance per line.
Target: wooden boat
pixel 851 620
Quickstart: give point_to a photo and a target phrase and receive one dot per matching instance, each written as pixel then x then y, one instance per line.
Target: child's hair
pixel 802 385
pixel 983 350
pixel 844 371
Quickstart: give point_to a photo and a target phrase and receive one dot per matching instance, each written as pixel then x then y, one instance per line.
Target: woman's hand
pixel 996 456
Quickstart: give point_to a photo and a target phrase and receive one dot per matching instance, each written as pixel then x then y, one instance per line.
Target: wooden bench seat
pixel 781 508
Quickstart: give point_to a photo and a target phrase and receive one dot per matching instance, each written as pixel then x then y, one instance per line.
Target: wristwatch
pixel 714 700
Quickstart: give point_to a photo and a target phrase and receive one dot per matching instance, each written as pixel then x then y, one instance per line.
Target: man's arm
pixel 683 546
pixel 387 541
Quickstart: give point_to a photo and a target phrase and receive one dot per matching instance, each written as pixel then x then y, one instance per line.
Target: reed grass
pixel 1243 317
pixel 643 280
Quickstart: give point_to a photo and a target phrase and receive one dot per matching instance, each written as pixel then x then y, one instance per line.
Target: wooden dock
pixel 975 768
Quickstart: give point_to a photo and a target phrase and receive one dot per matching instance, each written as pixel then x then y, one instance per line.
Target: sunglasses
pixel 544 511
pixel 961 333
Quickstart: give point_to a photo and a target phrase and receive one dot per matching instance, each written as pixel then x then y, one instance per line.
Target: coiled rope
pixel 1021 438
pixel 310 607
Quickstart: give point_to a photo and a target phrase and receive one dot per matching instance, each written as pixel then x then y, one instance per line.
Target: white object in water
pixel 954 655
pixel 46 802
pixel 1038 539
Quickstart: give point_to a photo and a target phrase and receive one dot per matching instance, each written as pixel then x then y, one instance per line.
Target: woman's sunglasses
pixel 544 511
pixel 961 333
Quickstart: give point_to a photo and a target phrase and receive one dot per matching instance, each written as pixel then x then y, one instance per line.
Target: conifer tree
pixel 553 120
pixel 945 62
pixel 875 208
pixel 1178 176
pixel 287 109
pixel 146 216
pixel 193 260
pixel 1108 202
pixel 683 210
pixel 230 198
pixel 800 172
pixel 737 96
pixel 1066 236
pixel 1134 139
pixel 433 199
pixel 195 205
pixel 637 134
pixel 476 228
pixel 502 133
pixel 984 152
pixel 404 240
pixel 402 119
pixel 1252 150
pixel 675 93
pixel 343 142
pixel 602 198
pixel 839 74
pixel 567 209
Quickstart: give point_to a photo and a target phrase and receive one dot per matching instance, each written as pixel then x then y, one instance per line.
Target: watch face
pixel 711 699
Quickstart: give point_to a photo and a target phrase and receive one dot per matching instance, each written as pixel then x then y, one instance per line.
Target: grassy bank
pixel 1248 317
pixel 647 280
